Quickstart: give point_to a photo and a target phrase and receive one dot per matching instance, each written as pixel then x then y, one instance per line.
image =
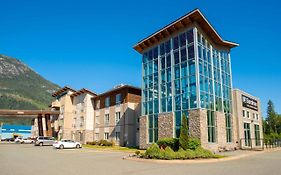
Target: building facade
pixel 186 70
pixel 86 116
pixel 248 119
pixel 83 116
pixel 116 115
pixel 62 124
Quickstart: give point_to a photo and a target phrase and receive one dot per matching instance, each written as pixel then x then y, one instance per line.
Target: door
pixel 247 134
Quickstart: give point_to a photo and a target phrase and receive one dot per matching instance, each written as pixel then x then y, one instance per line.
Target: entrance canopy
pixel 26 113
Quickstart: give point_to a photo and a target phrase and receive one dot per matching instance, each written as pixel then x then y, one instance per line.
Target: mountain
pixel 21 87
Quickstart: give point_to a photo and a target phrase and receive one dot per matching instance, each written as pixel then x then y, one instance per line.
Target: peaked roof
pixel 82 91
pixel 65 88
pixel 182 22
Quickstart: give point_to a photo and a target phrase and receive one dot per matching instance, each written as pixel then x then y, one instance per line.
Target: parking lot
pixel 22 159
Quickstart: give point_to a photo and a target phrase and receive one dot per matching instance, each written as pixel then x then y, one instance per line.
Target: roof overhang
pixel 183 22
pixel 66 88
pixel 82 91
pixel 117 89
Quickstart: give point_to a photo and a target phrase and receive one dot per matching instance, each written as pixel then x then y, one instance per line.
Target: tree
pixel 183 140
pixel 272 118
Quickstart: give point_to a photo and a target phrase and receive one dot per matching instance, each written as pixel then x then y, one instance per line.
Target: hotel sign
pixel 250 103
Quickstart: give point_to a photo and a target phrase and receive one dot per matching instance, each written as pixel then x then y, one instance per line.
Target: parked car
pixel 40 141
pixel 27 140
pixel 67 144
pixel 18 139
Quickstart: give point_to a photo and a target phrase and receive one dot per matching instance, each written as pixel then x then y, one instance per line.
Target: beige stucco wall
pixel 127 125
pixel 240 120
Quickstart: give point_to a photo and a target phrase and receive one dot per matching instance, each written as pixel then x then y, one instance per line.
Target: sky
pixel 88 44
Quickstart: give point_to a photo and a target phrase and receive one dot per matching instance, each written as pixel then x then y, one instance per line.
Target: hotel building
pixel 186 70
pixel 116 115
pixel 86 116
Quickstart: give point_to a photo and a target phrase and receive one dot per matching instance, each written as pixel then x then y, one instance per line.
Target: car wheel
pixel 41 144
pixel 31 142
pixel 77 146
pixel 61 146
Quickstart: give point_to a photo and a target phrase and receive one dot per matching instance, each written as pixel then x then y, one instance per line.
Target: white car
pixel 67 144
pixel 27 140
pixel 18 139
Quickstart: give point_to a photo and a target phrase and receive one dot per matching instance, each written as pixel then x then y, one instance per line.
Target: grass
pixel 113 148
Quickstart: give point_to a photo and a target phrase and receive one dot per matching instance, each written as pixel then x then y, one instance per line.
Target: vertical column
pixel 49 126
pixel 44 125
pixel 40 127
pixel 195 35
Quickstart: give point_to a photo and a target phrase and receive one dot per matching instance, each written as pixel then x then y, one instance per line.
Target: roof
pixel 82 91
pixel 117 89
pixel 65 88
pixel 183 22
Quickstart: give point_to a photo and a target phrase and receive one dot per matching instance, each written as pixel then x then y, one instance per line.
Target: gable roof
pixel 182 22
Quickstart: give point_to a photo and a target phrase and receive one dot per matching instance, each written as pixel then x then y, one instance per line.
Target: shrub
pixel 203 153
pixel 152 152
pixel 181 154
pixel 169 142
pixel 183 139
pixel 169 154
pixel 193 143
pixel 92 143
pixel 190 154
pixel 105 143
pixel 137 153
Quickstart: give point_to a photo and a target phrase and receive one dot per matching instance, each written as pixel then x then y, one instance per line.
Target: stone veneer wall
pixel 198 128
pixel 166 125
pixel 143 135
pixel 198 125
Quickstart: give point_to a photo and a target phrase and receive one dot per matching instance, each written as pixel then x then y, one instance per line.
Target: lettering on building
pixel 250 103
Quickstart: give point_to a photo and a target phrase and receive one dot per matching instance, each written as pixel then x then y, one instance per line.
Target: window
pixel 248 114
pixel 254 116
pixel 97 121
pixel 244 113
pixel 117 136
pixel 118 99
pixel 247 134
pixel 98 104
pixel 153 128
pixel 257 116
pixel 106 119
pixel 81 121
pixel 107 102
pixel 257 135
pixel 106 136
pixel 117 118
pixel 97 136
pixel 211 126
pixel 228 128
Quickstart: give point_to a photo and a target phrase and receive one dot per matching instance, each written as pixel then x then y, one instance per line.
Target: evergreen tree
pixel 183 140
pixel 272 118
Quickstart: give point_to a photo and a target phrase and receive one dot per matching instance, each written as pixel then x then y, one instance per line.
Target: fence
pixel 259 144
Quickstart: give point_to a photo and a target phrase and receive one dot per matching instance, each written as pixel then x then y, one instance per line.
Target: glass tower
pixel 182 73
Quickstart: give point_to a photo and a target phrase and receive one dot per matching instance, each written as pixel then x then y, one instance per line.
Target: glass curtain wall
pixel 169 80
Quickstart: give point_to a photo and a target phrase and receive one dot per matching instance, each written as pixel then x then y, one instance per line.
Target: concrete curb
pixel 196 161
